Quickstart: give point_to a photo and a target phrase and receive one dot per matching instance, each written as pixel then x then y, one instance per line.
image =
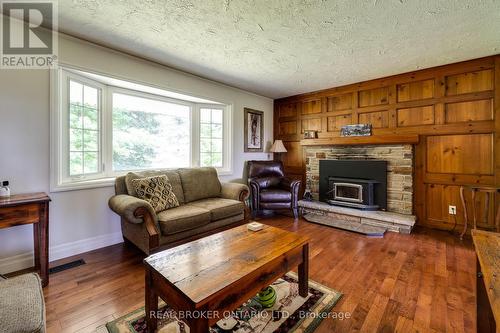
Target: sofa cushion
pixel 157 191
pixel 182 218
pixel 219 208
pixel 22 305
pixel 275 195
pixel 173 178
pixel 199 183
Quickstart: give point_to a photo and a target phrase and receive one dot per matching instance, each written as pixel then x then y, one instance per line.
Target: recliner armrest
pixel 293 186
pixel 289 184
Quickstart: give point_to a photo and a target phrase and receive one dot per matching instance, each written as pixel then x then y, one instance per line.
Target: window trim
pixel 65 176
pixel 59 132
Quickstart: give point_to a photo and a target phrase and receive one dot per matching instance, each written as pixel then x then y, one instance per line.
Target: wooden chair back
pixel 489 192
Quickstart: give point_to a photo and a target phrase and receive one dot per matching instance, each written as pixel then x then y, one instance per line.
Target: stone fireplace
pixel 399 169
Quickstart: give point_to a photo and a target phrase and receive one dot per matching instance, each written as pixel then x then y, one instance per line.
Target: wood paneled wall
pixel 455 109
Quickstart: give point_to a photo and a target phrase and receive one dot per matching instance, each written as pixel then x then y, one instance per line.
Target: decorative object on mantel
pixel 254 130
pixel 309 134
pixel 356 130
pixel 278 148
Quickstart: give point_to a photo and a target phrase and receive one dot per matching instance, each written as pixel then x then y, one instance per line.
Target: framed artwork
pixel 254 130
pixel 356 130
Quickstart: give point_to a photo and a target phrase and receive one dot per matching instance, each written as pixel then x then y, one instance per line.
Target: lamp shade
pixel 278 147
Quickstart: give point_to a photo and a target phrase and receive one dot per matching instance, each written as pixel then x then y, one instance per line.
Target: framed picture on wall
pixel 254 130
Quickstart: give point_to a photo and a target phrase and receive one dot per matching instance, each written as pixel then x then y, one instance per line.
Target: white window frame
pixel 59 132
pixel 65 176
pixel 226 135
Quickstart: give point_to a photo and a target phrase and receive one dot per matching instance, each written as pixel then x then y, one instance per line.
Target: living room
pixel 323 166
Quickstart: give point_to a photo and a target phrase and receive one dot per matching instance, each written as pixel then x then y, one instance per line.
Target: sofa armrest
pixel 138 211
pixel 131 208
pixel 238 192
pixel 234 191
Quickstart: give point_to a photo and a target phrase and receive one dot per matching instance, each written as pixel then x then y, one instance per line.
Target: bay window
pixel 149 133
pixel 104 127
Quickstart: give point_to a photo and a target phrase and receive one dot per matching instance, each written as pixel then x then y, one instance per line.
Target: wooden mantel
pixel 363 140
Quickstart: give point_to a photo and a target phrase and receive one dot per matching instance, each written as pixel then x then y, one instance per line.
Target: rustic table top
pixel 19 199
pixel 487 246
pixel 203 267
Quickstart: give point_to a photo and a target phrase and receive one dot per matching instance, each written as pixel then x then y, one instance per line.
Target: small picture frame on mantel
pixel 253 130
pixel 310 134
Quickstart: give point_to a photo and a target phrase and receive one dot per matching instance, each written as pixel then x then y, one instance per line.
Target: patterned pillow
pixel 157 191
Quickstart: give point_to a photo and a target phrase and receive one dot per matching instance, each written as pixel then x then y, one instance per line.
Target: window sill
pixel 221 172
pixel 83 185
pixel 103 182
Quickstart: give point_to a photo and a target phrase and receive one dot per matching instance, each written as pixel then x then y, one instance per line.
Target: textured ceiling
pixel 278 48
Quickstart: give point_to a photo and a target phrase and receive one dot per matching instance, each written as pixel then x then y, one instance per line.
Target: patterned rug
pixel 290 313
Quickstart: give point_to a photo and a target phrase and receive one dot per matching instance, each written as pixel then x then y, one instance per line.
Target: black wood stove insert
pixel 358 184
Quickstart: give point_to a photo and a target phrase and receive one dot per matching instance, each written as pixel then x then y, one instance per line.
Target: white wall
pixel 81 220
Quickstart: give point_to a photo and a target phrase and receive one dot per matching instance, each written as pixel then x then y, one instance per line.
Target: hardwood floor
pixel 423 282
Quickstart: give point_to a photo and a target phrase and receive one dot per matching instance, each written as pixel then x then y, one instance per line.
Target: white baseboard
pixel 25 260
pixel 70 249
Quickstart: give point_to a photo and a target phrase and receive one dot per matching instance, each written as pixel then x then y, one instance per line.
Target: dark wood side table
pixel 32 208
pixel 487 246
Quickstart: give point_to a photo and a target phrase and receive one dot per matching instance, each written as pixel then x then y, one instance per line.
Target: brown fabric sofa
pixel 206 206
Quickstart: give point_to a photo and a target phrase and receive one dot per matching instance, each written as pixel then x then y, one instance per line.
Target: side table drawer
pixel 26 214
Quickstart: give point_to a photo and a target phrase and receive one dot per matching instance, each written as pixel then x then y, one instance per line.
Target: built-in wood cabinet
pixel 455 109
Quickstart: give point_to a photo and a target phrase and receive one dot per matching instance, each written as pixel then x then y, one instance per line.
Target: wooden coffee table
pixel 208 277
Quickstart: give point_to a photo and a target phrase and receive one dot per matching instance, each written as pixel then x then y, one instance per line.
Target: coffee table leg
pixel 151 307
pixel 199 325
pixel 304 272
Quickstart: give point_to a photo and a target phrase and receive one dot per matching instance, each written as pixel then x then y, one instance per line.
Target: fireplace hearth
pixel 360 184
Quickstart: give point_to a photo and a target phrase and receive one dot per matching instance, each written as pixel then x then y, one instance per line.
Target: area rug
pixel 290 313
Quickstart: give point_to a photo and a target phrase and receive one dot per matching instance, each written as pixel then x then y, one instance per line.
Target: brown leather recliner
pixel 270 189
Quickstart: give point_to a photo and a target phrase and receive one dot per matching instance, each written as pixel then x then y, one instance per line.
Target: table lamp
pixel 278 147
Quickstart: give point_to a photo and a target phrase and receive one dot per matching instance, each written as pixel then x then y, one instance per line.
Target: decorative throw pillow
pixel 157 191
